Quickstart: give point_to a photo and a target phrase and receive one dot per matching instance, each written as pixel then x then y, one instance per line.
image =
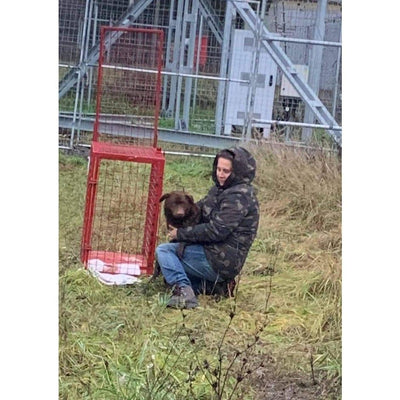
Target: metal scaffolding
pixel 233 70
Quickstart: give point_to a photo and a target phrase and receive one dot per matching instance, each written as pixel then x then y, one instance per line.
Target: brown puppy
pixel 180 211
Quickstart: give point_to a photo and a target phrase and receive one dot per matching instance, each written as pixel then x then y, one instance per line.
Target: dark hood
pixel 244 167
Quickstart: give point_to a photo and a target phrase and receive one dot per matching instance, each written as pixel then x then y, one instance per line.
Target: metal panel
pixel 287 88
pixel 241 68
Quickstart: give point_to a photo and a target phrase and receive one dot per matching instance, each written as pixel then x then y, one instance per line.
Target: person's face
pixel 224 169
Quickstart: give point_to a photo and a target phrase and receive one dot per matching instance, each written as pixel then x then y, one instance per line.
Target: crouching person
pixel 217 247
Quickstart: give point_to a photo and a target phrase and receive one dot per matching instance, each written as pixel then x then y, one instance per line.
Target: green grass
pixel 284 324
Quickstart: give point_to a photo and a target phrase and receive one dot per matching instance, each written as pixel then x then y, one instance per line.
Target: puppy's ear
pixel 164 196
pixel 190 198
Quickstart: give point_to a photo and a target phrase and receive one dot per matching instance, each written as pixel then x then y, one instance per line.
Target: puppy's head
pixel 178 204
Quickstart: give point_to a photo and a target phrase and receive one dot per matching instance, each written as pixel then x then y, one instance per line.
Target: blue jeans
pixel 191 270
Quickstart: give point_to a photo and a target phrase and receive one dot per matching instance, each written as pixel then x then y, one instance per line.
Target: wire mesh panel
pixel 122 207
pixel 297 20
pixel 117 215
pixel 129 86
pixel 71 21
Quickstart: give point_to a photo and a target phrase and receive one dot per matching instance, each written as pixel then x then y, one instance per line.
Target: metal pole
pixel 81 57
pixel 181 49
pixel 315 64
pixel 335 92
pixel 300 124
pixel 96 14
pixel 173 103
pixel 86 48
pixel 219 120
pixel 168 63
pixel 150 71
pixel 276 38
pixel 197 62
pixel 253 78
pixel 157 12
pixel 191 18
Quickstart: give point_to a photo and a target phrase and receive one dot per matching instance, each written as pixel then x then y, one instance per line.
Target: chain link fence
pixel 232 70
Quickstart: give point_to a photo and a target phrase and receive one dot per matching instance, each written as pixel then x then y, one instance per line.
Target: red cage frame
pixel 129 153
pixel 150 155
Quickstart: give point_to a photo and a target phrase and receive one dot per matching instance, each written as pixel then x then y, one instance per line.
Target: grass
pixel 283 326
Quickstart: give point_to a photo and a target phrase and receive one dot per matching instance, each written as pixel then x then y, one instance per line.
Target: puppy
pixel 180 211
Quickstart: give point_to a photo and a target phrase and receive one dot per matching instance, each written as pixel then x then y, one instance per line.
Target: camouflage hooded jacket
pixel 230 215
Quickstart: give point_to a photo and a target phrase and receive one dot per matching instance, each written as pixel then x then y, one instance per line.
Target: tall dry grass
pixel 300 196
pixel 303 184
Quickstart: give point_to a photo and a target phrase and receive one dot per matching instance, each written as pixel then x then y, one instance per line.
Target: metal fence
pixel 232 70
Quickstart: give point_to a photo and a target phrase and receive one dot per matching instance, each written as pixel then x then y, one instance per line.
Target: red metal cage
pixel 126 168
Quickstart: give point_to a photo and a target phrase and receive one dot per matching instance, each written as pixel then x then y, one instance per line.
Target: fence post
pixel 315 65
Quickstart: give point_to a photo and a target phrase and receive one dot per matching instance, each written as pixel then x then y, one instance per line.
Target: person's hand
pixel 172 233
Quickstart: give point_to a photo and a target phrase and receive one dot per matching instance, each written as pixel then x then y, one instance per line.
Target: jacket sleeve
pixel 232 209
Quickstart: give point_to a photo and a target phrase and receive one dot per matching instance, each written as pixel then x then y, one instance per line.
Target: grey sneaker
pixel 183 297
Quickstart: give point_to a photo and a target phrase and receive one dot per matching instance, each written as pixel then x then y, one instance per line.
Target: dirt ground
pixel 294 387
